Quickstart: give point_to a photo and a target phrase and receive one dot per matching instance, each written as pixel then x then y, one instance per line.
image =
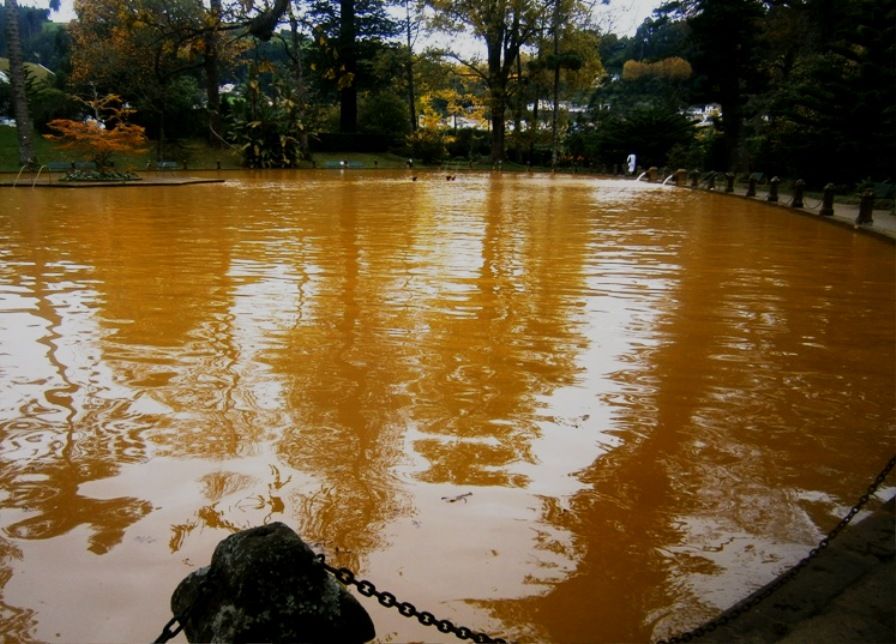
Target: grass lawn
pixel 9 150
pixel 197 155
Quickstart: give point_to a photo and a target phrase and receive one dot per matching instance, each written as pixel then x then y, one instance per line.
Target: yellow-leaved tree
pixel 504 27
pixel 99 138
pixel 673 69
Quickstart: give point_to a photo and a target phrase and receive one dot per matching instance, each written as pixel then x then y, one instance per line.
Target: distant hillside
pixel 37 71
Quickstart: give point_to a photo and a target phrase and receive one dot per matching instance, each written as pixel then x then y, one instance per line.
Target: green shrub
pixel 384 114
pixel 428 145
pixel 469 143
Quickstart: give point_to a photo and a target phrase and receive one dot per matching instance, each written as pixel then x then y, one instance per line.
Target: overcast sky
pixel 620 16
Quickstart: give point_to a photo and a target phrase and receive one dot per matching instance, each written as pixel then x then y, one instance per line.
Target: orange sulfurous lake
pixel 549 408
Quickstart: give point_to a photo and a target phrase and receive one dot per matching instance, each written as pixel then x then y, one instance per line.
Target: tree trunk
pixel 212 94
pixel 556 97
pixel 298 72
pixel 731 126
pixel 412 99
pixel 348 91
pixel 518 112
pixel 533 128
pixel 535 93
pixel 555 112
pixel 497 99
pixel 160 142
pixel 498 105
pixel 24 129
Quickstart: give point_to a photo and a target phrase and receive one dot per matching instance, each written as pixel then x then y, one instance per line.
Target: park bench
pixel 60 166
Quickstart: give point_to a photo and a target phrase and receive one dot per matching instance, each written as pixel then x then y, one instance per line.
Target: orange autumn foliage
pixel 100 137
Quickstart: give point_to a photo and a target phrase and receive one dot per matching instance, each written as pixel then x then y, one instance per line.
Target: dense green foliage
pixel 347 38
pixel 267 127
pixel 42 41
pixel 806 88
pixel 798 88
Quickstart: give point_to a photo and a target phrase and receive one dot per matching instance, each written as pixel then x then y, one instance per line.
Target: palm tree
pixel 24 130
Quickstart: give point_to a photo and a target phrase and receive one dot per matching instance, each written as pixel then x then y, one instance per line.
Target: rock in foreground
pixel 264 585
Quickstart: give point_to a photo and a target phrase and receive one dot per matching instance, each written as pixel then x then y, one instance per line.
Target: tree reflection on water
pixel 647 399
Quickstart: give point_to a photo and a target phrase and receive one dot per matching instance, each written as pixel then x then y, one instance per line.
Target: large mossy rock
pixel 264 585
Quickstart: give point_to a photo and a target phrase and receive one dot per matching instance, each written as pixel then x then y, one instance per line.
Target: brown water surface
pixel 658 399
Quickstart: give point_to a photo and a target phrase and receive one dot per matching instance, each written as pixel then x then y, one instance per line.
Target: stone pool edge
pixel 142 183
pixel 846 594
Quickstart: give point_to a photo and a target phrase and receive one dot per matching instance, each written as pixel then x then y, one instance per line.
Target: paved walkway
pixel 884 221
pixel 845 595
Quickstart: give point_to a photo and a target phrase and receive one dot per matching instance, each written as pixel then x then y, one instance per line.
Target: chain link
pixel 753 600
pixel 407 609
pixel 808 206
pixel 174 626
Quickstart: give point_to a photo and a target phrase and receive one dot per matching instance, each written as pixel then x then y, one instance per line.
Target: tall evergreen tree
pixel 344 32
pixel 829 110
pixel 724 36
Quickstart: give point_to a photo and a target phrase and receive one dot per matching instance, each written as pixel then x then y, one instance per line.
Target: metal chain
pixel 407 609
pixel 174 626
pixel 367 589
pixel 810 207
pixel 753 600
